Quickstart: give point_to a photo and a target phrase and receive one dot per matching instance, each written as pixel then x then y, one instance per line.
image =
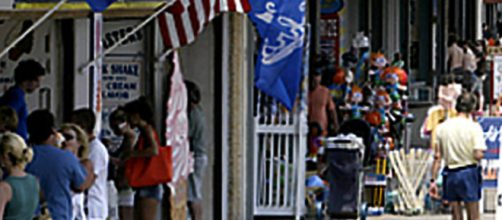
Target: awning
pixel 492 1
pixel 80 9
pixel 181 21
pixel 82 5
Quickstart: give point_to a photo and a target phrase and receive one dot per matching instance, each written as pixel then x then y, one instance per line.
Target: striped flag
pixel 184 20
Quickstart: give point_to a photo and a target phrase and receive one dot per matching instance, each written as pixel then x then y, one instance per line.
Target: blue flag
pixel 281 26
pixel 99 5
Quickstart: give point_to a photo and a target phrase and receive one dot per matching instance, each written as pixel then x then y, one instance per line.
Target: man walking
pixel 97 199
pixel 196 135
pixel 461 145
pixel 58 171
pixel 27 77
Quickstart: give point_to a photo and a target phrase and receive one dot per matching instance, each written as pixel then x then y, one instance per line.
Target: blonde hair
pixel 16 150
pixel 82 138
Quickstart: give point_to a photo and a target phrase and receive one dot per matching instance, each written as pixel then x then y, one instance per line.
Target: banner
pixel 177 125
pixel 281 26
pixel 497 77
pixel 492 128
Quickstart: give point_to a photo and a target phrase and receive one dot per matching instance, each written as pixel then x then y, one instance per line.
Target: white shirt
pixel 97 199
pixel 470 60
pixel 458 138
pixel 455 56
pixel 77 201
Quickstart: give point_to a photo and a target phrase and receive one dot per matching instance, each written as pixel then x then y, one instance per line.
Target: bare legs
pixel 471 207
pixel 472 210
pixel 195 209
pixel 145 209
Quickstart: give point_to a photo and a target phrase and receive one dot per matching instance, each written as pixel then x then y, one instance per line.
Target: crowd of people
pixel 455 135
pixel 64 172
pixel 365 87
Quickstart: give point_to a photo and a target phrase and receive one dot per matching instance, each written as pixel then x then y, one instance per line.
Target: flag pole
pixel 163 56
pixel 32 27
pixel 136 29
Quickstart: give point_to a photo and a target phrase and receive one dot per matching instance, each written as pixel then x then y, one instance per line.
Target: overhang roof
pixel 81 10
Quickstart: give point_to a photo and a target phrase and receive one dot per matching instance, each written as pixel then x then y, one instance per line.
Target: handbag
pixel 150 171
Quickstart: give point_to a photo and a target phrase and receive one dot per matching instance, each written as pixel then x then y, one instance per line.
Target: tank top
pixel 25 196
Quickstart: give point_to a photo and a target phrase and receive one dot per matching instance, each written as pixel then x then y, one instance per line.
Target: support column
pixel 238 142
pixel 425 40
pixel 82 55
pixel 441 36
pixel 391 34
pixel 479 19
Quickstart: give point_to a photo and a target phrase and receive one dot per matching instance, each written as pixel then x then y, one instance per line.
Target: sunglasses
pixel 68 137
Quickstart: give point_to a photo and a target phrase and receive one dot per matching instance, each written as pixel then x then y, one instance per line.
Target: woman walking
pixel 19 192
pixel 140 115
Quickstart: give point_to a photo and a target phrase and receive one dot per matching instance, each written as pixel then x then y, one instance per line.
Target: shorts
pixel 462 184
pixel 126 198
pixel 195 179
pixel 150 192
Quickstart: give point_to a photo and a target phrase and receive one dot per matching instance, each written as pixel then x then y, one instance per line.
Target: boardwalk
pixel 425 217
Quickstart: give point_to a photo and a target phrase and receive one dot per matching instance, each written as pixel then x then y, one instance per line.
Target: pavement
pixel 424 217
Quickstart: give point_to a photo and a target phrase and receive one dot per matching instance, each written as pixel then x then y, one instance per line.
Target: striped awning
pixel 184 20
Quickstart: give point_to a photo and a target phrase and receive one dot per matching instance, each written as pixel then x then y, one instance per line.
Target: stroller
pixel 345 157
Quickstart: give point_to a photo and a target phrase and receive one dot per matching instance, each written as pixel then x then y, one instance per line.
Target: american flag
pixel 184 20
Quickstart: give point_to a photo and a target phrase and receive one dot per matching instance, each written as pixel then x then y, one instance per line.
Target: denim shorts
pixel 462 184
pixel 195 179
pixel 150 192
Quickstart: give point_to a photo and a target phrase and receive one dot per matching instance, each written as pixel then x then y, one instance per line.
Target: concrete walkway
pixel 425 217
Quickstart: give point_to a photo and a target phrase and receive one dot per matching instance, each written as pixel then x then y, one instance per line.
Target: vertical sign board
pixel 492 128
pixel 330 37
pixel 330 29
pixel 96 98
pixel 497 76
pixel 122 70
pixel 495 58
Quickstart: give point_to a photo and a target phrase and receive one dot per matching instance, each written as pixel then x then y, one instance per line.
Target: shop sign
pixel 121 82
pixel 492 128
pixel 113 31
pixel 492 133
pixel 330 36
pixel 497 77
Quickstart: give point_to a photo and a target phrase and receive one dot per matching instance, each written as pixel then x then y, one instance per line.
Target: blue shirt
pixel 58 172
pixel 15 98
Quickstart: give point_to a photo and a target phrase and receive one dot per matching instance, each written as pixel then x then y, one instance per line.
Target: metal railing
pixel 279 169
pixel 280 145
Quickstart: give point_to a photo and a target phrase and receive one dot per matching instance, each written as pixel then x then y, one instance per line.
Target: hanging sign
pixel 330 37
pixel 497 76
pixel 331 6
